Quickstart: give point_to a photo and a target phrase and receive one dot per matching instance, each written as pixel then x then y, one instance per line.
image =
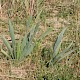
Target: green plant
pixel 25 45
pixel 56 54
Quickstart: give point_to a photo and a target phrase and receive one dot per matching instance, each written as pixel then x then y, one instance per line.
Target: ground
pixel 56 14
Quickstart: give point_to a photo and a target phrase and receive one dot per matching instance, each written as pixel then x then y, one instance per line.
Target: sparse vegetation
pixel 38 23
pixel 23 47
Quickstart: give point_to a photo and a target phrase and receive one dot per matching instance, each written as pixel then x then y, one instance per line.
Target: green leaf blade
pixel 18 51
pixel 8 46
pixel 57 43
pixel 11 31
pixel 45 33
pixel 24 42
pixel 5 53
pixel 63 52
pixel 66 54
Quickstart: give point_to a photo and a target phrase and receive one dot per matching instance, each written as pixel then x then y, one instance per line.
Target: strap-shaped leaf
pixel 33 32
pixel 30 34
pixel 57 43
pixel 45 33
pixel 65 50
pixel 24 43
pixel 36 28
pixel 28 49
pixel 5 53
pixel 8 46
pixel 57 50
pixel 66 54
pixel 18 51
pixel 11 31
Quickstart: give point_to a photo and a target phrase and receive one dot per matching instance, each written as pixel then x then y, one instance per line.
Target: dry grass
pixel 58 14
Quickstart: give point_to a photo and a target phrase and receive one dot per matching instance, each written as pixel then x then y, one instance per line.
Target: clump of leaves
pixel 56 55
pixel 25 45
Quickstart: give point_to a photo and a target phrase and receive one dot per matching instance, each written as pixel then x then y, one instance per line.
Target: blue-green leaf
pixel 66 54
pixel 8 46
pixel 11 31
pixel 18 51
pixel 57 43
